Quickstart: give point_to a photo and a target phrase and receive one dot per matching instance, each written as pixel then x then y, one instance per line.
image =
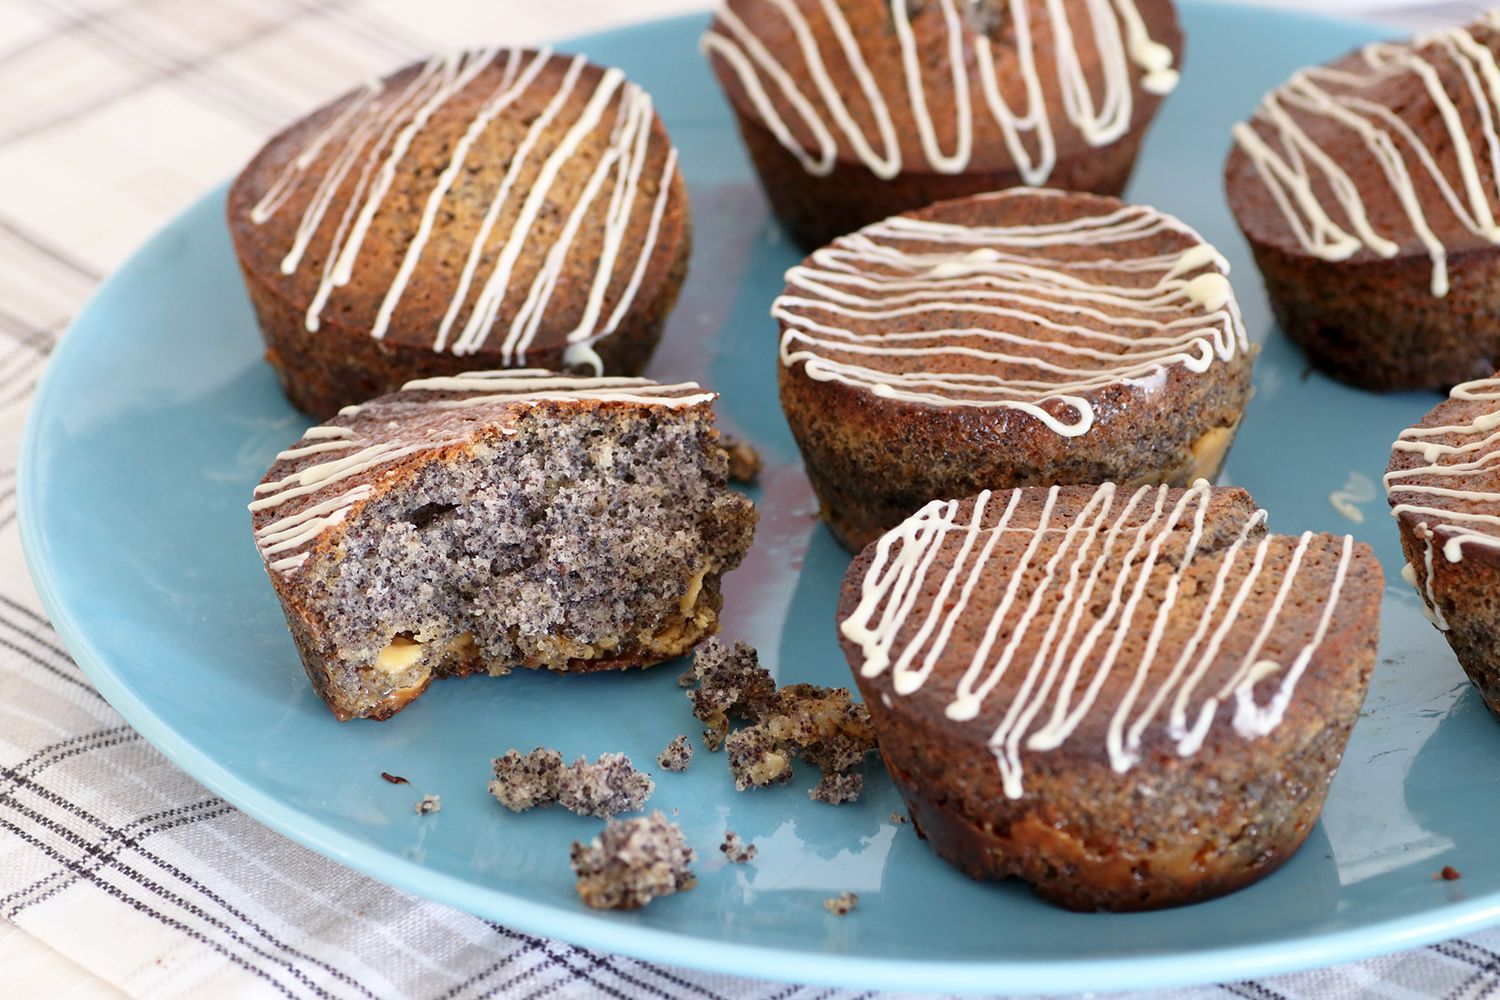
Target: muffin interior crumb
pixel 610 785
pixel 823 726
pixel 735 849
pixel 632 862
pixel 842 904
pixel 677 755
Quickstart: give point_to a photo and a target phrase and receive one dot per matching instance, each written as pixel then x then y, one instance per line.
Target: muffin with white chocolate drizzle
pixel 1130 698
pixel 497 208
pixel 1369 190
pixel 499 519
pixel 1016 339
pixel 853 110
pixel 1444 488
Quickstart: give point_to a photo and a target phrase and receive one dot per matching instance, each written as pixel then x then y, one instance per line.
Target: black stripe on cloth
pixel 70 747
pixel 608 964
pixel 163 58
pixel 1483 967
pixel 131 836
pixel 397 39
pixel 78 682
pixel 141 906
pixel 29 631
pixel 206 59
pixel 53 252
pixel 35 616
pixel 39 338
pixel 43 889
pixel 38 820
pixel 1254 989
pixel 530 946
pixel 563 962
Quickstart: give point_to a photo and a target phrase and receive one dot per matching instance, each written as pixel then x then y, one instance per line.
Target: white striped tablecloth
pixel 118 873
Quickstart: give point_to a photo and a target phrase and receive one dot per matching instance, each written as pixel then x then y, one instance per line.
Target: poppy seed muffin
pixel 499 519
pixel 854 110
pixel 1368 191
pixel 1023 338
pixel 1444 488
pixel 1130 698
pixel 497 208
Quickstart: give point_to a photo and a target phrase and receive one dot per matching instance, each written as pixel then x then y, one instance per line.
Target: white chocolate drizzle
pixel 285 542
pixel 1037 327
pixel 364 147
pixel 1464 460
pixel 1063 679
pixel 1115 26
pixel 1326 211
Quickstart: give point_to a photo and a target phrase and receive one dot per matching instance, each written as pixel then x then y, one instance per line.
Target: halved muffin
pixel 499 519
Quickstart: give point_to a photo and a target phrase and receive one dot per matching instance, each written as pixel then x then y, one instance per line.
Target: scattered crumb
pixel 523 783
pixel 735 849
pixel 677 756
pixel 394 779
pixel 731 682
pixel 429 804
pixel 632 862
pixel 824 726
pixel 841 904
pixel 612 785
pixel 744 460
pixel 837 787
pixel 1448 874
pixel 688 678
pixel 899 818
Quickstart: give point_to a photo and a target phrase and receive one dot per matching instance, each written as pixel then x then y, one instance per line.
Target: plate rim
pixel 600 930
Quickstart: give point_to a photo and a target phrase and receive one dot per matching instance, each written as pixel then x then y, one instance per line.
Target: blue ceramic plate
pixel 158 415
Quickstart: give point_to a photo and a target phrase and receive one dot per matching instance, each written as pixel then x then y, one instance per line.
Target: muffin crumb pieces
pixel 609 786
pixel 735 849
pixel 394 779
pixel 731 683
pixel 823 726
pixel 677 756
pixel 837 787
pixel 744 460
pixel 524 782
pixel 841 904
pixel 899 818
pixel 633 861
pixel 1449 874
pixel 429 804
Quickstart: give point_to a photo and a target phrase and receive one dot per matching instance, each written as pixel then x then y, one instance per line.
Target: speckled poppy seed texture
pixel 570 535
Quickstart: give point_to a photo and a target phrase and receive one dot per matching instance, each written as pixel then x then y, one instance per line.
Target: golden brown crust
pixel 1173 828
pixel 873 460
pixel 340 362
pixel 816 209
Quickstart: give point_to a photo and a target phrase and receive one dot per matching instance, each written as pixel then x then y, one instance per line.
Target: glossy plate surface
pixel 157 416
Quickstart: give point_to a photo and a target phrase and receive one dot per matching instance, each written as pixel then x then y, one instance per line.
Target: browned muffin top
pixel 337 467
pixel 1116 622
pixel 944 86
pixel 1391 151
pixel 1444 477
pixel 1027 300
pixel 499 201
